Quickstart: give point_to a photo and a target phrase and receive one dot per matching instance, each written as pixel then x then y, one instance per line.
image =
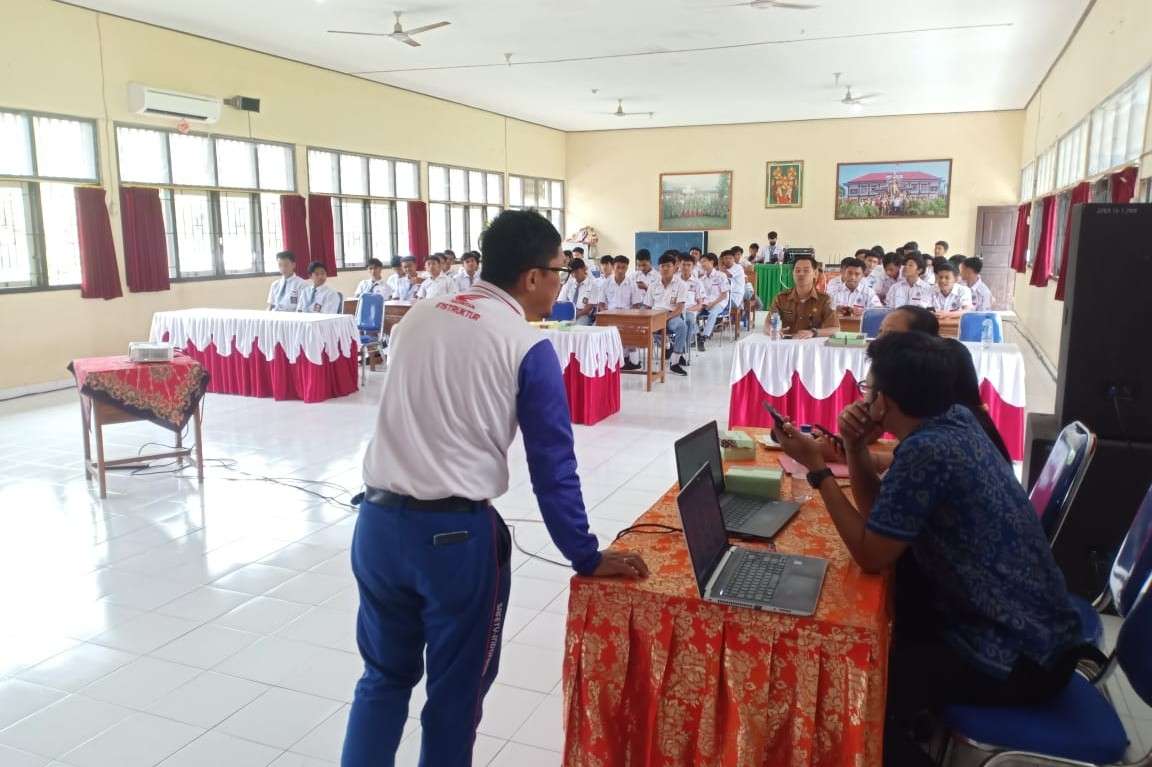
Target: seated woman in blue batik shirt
pixel 995 625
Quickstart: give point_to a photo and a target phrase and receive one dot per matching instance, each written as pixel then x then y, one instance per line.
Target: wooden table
pixel 394 311
pixel 948 328
pixel 637 328
pixel 350 305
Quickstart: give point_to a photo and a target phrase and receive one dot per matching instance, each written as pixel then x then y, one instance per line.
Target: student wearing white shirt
pixel 981 294
pixel 754 253
pixel 618 291
pixel 319 298
pixel 671 295
pixel 695 291
pixel 772 253
pixel 950 298
pixel 375 283
pixel 891 267
pixel 607 267
pixel 406 281
pixel 580 291
pixel 696 254
pixel 911 288
pixel 740 291
pixel 284 295
pixel 852 296
pixel 645 275
pixel 469 273
pixel 873 270
pixel 716 290
pixel 438 283
pixel 451 267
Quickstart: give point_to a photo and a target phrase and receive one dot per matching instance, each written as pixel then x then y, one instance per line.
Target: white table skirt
pixel 821 367
pixel 312 335
pixel 597 349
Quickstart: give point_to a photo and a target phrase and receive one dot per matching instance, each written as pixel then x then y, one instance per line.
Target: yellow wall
pixel 1113 44
pixel 613 177
pixel 50 57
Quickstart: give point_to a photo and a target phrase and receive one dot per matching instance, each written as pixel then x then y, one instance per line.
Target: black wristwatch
pixel 816 477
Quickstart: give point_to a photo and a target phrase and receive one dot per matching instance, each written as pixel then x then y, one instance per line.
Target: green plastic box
pixel 755 481
pixel 737 446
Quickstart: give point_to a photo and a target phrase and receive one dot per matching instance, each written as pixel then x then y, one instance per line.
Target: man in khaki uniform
pixel 805 312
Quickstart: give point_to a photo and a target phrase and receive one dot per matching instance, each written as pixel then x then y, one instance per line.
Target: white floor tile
pixel 545 728
pixel 62 726
pixel 204 603
pixel 76 668
pixel 141 740
pixel 299 760
pixel 219 750
pixel 546 630
pixel 19 699
pixel 519 755
pixel 506 709
pixel 208 699
pixel 206 646
pixel 146 633
pixel 254 578
pixel 328 673
pixel 269 660
pixel 10 757
pixel 533 593
pixel 309 588
pixel 263 615
pixel 141 683
pixel 531 668
pixel 301 556
pixel 327 740
pixel 329 628
pixel 278 717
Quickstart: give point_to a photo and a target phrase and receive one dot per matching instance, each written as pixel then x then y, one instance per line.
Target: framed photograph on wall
pixel 693 201
pixel 785 184
pixel 904 189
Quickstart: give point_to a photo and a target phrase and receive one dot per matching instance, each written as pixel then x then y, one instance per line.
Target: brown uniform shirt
pixel 812 313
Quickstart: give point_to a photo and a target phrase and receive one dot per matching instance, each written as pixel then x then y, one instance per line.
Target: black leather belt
pixel 380 497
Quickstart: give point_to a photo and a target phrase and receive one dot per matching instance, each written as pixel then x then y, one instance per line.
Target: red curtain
pixel 418 232
pixel 321 240
pixel 1042 260
pixel 1020 242
pixel 145 247
pixel 1124 186
pixel 99 274
pixel 294 225
pixel 1079 196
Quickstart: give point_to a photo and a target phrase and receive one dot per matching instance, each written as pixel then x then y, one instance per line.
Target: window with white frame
pixel 369 202
pixel 1118 126
pixel 1072 156
pixel 43 158
pixel 220 197
pixel 1046 172
pixel 1027 182
pixel 544 194
pixel 461 203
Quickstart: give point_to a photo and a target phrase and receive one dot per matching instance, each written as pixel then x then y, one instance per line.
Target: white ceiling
pixel 923 55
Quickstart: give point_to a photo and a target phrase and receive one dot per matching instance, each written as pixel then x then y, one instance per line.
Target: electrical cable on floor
pixel 525 552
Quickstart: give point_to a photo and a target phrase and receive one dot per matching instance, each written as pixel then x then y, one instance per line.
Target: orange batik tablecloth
pixel 653 675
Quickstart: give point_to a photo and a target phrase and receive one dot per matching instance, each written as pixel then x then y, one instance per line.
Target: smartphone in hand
pixel 777 417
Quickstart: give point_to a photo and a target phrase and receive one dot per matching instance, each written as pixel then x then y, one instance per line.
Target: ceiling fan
pixel 764 5
pixel 621 113
pixel 854 102
pixel 398 33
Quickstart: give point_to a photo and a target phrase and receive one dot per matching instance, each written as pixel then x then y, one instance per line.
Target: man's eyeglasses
pixel 561 270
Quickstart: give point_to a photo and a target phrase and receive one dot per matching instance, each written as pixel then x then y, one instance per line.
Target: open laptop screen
pixel 696 449
pixel 703 526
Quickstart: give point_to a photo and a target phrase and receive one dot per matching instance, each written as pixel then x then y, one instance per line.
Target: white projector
pixel 143 351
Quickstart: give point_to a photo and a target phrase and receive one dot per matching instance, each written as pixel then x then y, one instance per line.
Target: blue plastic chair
pixel 1131 568
pixel 972 325
pixel 1080 726
pixel 563 310
pixel 870 322
pixel 1056 487
pixel 370 323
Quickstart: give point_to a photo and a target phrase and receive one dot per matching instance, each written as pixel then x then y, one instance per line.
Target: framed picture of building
pixel 785 187
pixel 905 189
pixel 694 201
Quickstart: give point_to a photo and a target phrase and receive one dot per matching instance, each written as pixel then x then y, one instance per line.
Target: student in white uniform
pixel 772 253
pixel 451 267
pixel 618 291
pixel 406 281
pixel 891 267
pixel 717 288
pixel 469 273
pixel 672 296
pixel 873 270
pixel 685 274
pixel 318 298
pixel 580 291
pixel 852 296
pixel 284 295
pixel 740 290
pixel 911 288
pixel 375 283
pixel 981 294
pixel 950 297
pixel 645 275
pixel 438 283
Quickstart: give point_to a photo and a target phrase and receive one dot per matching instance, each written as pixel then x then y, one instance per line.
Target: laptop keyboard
pixel 738 510
pixel 755 578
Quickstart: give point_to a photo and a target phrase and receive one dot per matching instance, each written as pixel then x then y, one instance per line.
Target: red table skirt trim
pixel 257 376
pixel 591 400
pixel 746 408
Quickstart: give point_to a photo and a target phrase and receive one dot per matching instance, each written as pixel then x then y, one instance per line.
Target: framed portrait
pixel 694 201
pixel 785 184
pixel 905 189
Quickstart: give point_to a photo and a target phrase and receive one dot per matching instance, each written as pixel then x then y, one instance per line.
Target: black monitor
pixel 697 448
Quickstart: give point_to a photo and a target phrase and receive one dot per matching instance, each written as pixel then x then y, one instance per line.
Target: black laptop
pixel 744 515
pixel 765 580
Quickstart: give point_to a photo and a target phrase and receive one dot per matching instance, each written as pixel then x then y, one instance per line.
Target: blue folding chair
pixel 370 323
pixel 870 322
pixel 1079 727
pixel 1056 487
pixel 972 326
pixel 563 310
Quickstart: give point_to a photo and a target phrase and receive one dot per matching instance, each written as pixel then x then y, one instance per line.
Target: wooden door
pixel 995 231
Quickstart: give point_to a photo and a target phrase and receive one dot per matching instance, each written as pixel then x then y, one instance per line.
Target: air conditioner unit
pixel 158 102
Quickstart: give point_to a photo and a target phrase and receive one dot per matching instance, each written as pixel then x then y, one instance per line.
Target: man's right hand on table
pixel 621 564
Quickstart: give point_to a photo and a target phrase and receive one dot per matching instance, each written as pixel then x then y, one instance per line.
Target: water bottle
pixel 987 333
pixel 774 326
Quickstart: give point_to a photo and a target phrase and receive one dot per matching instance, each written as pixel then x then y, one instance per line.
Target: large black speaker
pixel 1105 377
pixel 1116 482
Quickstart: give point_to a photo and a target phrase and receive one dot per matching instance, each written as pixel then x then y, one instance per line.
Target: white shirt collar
pixel 499 294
